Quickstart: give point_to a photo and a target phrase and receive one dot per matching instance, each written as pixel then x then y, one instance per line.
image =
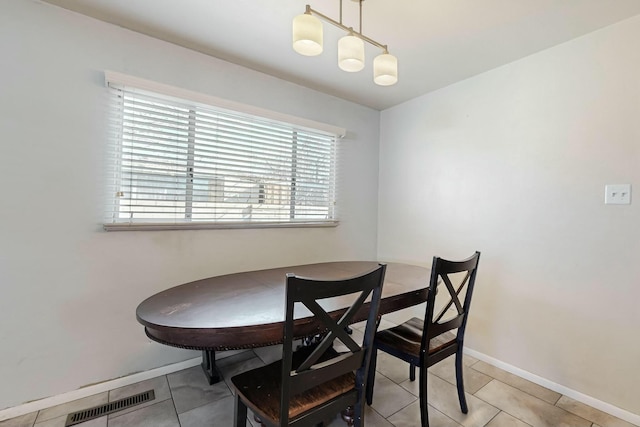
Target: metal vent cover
pixel 109 408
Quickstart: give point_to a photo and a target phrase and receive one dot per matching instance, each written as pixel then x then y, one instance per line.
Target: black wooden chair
pixel 315 383
pixel 425 342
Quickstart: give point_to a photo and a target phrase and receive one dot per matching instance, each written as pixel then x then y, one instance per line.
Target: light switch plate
pixel 617 194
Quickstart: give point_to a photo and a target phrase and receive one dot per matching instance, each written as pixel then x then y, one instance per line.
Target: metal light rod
pixel 310 11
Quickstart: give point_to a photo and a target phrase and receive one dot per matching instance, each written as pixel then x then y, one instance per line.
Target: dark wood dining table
pixel 246 310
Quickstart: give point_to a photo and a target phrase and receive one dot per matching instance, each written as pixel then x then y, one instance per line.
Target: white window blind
pixel 177 163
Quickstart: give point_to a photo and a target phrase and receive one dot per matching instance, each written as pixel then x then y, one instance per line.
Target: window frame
pixel 118 82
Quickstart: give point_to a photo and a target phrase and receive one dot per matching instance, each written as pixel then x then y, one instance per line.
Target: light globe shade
pixel 351 54
pixel 385 70
pixel 307 35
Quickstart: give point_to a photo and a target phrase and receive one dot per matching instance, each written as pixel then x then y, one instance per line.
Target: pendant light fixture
pixel 308 39
pixel 385 69
pixel 307 35
pixel 351 53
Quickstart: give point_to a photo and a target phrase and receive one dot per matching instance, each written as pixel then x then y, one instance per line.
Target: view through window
pixel 184 163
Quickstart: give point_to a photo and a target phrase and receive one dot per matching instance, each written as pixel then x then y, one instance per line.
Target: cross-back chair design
pixel 315 383
pixel 425 342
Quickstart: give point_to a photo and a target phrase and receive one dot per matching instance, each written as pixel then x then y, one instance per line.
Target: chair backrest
pixel 450 289
pixel 313 371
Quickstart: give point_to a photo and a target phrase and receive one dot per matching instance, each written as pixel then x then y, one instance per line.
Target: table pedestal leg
pixel 209 366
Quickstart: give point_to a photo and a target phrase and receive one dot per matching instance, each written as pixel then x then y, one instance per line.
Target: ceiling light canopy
pixel 308 38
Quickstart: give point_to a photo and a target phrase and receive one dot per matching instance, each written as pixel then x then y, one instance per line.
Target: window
pixel 182 163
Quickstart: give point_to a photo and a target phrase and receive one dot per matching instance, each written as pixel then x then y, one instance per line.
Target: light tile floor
pixel 496 399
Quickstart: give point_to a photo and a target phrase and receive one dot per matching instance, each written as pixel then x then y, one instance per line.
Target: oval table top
pixel 246 310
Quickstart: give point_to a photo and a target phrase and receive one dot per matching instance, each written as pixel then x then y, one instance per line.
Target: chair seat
pixel 407 336
pixel 261 387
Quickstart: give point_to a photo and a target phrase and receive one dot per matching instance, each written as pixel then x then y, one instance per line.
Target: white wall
pixel 513 163
pixel 68 290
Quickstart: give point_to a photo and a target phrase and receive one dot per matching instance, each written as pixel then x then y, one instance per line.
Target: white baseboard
pixel 59 399
pixel 576 395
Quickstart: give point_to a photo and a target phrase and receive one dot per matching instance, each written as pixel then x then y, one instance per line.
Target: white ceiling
pixel 437 42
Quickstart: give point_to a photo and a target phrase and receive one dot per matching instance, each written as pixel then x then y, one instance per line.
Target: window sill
pixel 211 226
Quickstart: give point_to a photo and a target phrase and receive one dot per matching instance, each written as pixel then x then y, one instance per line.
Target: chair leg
pixel 460 382
pixel 358 415
pixel 240 413
pixel 371 376
pixel 349 415
pixel 412 372
pixel 422 392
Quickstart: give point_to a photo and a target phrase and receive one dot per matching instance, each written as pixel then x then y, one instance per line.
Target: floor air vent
pixel 109 408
